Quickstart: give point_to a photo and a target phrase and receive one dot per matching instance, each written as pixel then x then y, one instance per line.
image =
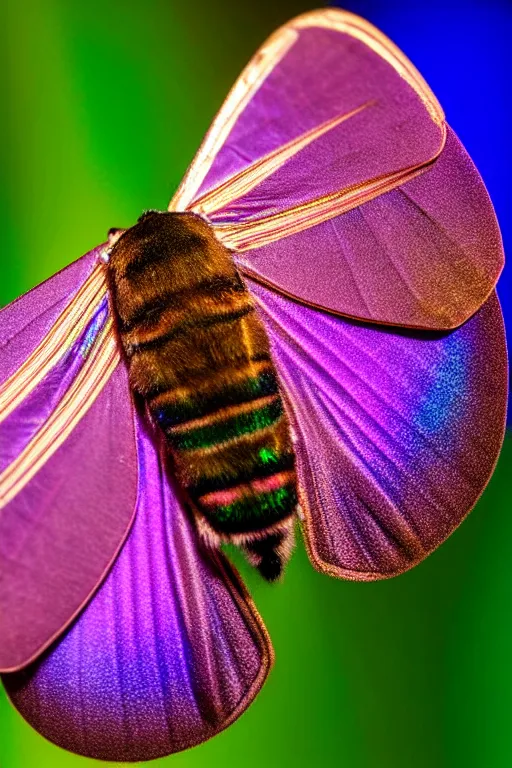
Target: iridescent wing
pixel 169 652
pixel 397 432
pixel 330 170
pixel 68 464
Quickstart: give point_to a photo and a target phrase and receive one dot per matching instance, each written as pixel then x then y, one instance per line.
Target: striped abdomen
pixel 199 355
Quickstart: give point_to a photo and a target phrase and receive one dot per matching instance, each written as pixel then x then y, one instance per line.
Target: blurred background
pixel 103 106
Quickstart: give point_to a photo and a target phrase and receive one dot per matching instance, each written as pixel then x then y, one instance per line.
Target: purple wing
pixel 335 92
pixel 397 432
pixel 169 651
pixel 68 465
pixel 26 321
pixel 433 242
pixel 331 170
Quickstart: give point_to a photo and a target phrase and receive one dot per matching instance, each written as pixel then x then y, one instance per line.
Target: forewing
pixel 397 432
pixel 329 91
pixel 68 470
pixel 169 651
pixel 329 170
pixel 425 254
pixel 24 322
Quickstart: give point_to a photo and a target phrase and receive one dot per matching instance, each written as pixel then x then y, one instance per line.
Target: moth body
pixel 199 355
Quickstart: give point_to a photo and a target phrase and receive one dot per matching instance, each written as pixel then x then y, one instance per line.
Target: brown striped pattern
pixel 199 355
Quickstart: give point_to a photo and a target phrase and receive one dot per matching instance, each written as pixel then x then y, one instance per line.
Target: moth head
pixel 148 214
pixel 159 235
pixel 113 236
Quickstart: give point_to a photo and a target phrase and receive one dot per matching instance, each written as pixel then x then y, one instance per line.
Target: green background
pixel 103 106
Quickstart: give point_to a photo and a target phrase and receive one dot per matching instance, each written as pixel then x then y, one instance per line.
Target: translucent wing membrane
pixel 169 651
pixel 397 432
pixel 328 144
pixel 67 456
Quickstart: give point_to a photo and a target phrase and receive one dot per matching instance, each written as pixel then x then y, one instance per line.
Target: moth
pixel 311 332
pixel 199 355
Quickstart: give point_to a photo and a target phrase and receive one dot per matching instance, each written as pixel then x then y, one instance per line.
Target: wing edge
pixel 366 576
pixel 267 57
pixel 36 654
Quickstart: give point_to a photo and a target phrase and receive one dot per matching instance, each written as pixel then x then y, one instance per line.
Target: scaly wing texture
pixel 68 465
pixel 169 652
pixel 331 170
pixel 426 254
pixel 397 432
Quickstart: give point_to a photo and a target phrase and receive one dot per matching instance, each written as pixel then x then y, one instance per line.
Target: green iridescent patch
pixel 244 423
pixel 255 512
pixel 187 408
pixel 268 456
